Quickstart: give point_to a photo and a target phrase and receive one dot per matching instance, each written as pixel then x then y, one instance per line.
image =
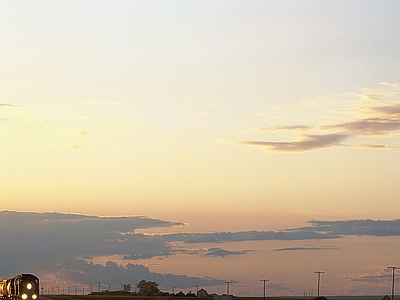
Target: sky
pixel 199 142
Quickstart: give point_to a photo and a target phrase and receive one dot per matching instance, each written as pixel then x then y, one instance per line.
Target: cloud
pixel 276 128
pixel 82 249
pixel 370 120
pixel 370 126
pixel 375 146
pixel 219 252
pixel 395 86
pixel 277 286
pixel 392 111
pixel 219 237
pixel 57 242
pixel 307 142
pixel 308 248
pixel 80 271
pixel 27 129
pixel 383 274
pixel 358 227
pixel 7 105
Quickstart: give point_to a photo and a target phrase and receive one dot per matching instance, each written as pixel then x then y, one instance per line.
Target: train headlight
pixel 34 296
pixel 29 286
pixel 24 296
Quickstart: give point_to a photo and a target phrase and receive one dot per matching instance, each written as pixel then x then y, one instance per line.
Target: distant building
pixel 386 298
pixel 202 293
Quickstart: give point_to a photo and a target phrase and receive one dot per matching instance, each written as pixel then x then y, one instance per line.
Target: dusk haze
pixel 249 146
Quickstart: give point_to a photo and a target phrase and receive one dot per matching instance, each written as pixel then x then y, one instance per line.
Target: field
pixel 129 297
pixel 113 297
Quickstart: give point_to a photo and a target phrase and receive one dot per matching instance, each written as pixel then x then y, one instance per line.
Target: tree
pixel 126 288
pixel 147 288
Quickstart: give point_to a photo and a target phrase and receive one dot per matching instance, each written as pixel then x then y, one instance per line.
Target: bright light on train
pixel 24 296
pixel 34 296
pixel 29 286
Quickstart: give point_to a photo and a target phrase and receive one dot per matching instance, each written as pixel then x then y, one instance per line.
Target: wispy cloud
pixel 308 248
pixel 395 86
pixel 306 142
pixel 7 105
pixel 375 146
pixel 276 128
pixel 378 114
pixel 31 130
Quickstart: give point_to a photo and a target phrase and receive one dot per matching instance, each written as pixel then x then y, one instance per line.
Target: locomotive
pixel 20 287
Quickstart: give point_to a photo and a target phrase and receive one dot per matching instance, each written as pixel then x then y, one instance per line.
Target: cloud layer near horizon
pixel 64 244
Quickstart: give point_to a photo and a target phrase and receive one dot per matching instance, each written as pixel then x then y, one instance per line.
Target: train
pixel 20 287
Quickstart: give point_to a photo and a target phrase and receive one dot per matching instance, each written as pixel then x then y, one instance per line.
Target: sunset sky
pixel 267 131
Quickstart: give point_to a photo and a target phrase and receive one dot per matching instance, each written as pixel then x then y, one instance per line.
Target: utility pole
pixel 393 270
pixel 197 291
pixel 227 286
pixel 264 280
pixel 318 281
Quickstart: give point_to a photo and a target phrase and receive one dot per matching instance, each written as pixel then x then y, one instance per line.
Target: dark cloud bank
pixel 62 244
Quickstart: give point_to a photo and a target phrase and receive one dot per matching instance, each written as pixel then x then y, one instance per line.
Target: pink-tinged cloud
pixel 307 142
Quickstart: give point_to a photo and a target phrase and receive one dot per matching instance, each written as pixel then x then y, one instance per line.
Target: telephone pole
pixel 264 280
pixel 227 286
pixel 393 270
pixel 318 281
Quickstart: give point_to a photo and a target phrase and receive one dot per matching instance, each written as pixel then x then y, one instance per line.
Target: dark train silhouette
pixel 20 287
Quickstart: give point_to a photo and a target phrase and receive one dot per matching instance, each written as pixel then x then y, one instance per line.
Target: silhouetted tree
pixel 126 288
pixel 147 288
